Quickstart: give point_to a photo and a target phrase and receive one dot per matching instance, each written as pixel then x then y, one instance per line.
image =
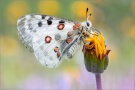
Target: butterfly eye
pixel 88 24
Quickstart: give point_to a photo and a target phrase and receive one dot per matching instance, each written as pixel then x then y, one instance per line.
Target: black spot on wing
pixel 50 18
pixel 40 24
pixel 49 22
pixel 61 21
pixel 43 16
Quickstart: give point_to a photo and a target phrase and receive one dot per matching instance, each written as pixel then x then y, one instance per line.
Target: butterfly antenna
pixel 86 15
pixel 90 14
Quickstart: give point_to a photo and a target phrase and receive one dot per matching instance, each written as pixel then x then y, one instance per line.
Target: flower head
pixel 95 53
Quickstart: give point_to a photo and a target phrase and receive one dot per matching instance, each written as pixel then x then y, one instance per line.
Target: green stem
pixel 98 81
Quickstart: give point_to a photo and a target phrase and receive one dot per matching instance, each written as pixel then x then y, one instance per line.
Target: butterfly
pixel 51 38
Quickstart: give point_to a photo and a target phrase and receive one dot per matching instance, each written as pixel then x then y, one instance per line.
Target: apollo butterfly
pixel 50 38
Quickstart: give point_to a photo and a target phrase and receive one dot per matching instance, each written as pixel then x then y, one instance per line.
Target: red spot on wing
pixel 69 33
pixel 48 39
pixel 56 49
pixel 61 26
pixel 76 26
pixel 58 54
pixel 69 40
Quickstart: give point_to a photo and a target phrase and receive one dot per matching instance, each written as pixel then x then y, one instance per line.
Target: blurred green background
pixel 19 68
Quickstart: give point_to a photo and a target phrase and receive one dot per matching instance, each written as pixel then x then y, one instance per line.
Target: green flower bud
pixel 93 63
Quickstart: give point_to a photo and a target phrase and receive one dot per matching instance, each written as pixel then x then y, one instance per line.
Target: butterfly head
pixel 87 24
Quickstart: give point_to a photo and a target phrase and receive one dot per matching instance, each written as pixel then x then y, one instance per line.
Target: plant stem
pixel 98 81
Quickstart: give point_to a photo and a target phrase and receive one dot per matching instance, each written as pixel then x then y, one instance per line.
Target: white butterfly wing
pixel 45 36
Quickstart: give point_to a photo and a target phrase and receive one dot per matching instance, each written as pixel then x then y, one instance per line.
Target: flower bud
pixel 96 57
